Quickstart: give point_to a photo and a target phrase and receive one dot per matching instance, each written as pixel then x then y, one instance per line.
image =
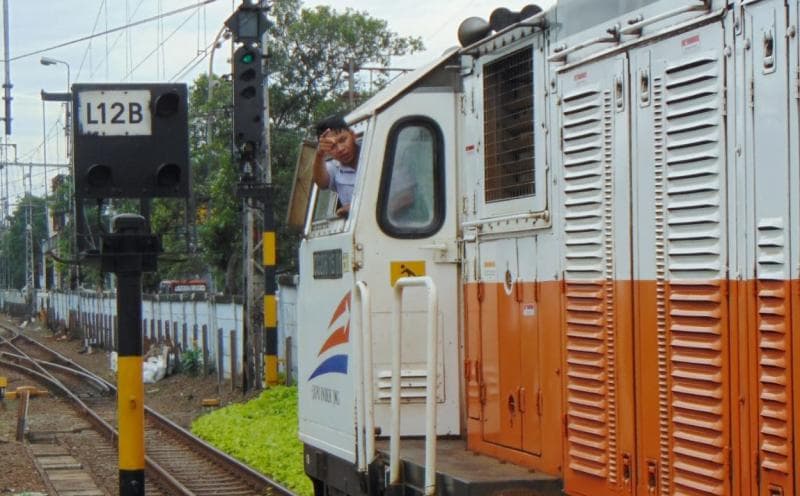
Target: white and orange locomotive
pixel 599 290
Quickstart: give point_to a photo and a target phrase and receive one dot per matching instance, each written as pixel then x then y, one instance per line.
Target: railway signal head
pixel 131 140
pixel 248 24
pixel 248 99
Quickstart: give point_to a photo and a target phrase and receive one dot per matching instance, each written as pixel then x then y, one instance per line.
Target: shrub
pixel 263 434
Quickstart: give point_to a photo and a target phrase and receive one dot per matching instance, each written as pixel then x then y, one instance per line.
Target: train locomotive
pixel 594 292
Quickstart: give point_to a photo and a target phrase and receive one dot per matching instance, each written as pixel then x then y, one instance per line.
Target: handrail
pixel 365 410
pixel 636 26
pixel 560 53
pixel 430 388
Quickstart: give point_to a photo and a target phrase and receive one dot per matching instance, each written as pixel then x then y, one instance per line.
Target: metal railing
pixel 365 409
pixel 430 388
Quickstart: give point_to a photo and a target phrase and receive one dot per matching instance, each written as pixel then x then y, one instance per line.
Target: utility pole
pixel 7 85
pixel 6 117
pixel 29 260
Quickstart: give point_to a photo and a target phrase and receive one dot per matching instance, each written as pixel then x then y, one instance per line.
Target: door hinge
pixel 480 291
pixel 539 402
pixel 797 84
pixel 729 460
pixel 358 257
pixel 724 101
pixel 758 469
pixel 752 93
pixel 482 389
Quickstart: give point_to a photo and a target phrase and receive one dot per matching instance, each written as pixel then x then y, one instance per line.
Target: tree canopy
pixel 310 53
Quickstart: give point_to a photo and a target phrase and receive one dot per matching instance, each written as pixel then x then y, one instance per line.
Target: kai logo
pixel 339 329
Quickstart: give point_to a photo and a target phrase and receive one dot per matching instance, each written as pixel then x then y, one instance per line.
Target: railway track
pixel 177 463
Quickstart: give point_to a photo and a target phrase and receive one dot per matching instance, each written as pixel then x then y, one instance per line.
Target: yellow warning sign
pixel 407 268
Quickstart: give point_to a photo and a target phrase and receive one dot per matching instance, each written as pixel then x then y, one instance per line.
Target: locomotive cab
pixel 402 223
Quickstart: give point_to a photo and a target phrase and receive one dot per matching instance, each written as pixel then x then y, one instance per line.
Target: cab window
pixel 411 200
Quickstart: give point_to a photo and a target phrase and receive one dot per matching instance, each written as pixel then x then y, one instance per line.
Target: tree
pixel 13 241
pixel 309 50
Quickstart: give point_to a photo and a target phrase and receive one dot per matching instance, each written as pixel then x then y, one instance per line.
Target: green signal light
pixel 248 58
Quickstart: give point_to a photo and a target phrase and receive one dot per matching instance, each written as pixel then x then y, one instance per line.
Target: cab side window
pixel 411 200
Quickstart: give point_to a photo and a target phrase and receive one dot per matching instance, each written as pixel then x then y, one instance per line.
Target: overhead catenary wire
pixel 50 134
pixel 155 51
pixel 112 30
pixel 189 66
pixel 88 50
pixel 114 44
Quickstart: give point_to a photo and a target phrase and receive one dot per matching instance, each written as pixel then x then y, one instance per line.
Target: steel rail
pixel 248 475
pixel 162 476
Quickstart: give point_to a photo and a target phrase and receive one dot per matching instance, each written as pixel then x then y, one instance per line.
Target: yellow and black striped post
pixel 270 301
pixel 128 251
pixel 130 388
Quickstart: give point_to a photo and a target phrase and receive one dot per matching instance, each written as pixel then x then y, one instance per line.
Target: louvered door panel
pixel 690 266
pixel 591 320
pixel 768 171
pixel 681 239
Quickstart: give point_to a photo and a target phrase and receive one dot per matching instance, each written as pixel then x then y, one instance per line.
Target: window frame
pixel 387 171
pixel 538 203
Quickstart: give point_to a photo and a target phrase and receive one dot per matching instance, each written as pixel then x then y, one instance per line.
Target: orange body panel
pixel 795 286
pixel 598 388
pixel 512 373
pixel 700 382
pixel 771 382
pixel 683 388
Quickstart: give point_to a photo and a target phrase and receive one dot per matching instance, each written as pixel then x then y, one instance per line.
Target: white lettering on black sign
pixel 115 113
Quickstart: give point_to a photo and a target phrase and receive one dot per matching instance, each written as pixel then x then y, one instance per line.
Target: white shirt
pixel 342 180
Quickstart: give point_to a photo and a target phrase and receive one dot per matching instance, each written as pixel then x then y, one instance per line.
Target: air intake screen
pixel 508 126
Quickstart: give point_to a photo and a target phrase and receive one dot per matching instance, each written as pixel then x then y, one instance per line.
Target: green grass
pixel 263 434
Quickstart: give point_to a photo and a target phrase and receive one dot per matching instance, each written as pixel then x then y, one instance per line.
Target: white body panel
pixel 378 250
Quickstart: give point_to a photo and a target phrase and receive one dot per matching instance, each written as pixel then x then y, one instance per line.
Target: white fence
pixel 212 325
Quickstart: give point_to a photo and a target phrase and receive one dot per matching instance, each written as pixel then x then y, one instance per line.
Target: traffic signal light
pixel 248 100
pixel 131 140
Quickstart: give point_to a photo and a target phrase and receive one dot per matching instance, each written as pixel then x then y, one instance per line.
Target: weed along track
pixel 71 433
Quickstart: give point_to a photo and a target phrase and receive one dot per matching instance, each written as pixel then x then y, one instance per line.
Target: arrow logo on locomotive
pixel 336 364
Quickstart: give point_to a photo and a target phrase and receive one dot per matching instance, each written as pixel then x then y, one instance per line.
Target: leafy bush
pixel 263 434
pixel 192 361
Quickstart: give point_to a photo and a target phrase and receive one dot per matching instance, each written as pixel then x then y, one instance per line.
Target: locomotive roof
pixel 573 16
pixel 397 88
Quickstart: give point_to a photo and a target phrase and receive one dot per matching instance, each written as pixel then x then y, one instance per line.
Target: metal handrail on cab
pixel 430 389
pixel 362 344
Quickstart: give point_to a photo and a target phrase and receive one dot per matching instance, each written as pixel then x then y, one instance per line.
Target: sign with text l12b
pixel 131 140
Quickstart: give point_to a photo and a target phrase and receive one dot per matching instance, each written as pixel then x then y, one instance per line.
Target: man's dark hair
pixel 333 122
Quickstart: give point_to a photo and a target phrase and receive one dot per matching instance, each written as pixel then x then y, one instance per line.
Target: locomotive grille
pixel 508 127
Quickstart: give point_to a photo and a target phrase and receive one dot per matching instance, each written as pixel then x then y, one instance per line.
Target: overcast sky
pixel 173 49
